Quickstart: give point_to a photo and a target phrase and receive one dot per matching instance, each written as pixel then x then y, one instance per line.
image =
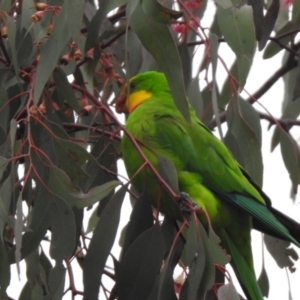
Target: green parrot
pixel 206 171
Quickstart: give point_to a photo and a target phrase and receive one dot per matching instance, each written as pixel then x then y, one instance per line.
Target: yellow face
pixel 137 98
pixel 128 103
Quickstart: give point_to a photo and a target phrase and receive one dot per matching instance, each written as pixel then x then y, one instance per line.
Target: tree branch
pixel 290 64
pixel 275 40
pixel 285 123
pixel 220 40
pixel 72 127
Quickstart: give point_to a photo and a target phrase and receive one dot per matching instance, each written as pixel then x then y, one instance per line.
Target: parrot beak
pixel 121 103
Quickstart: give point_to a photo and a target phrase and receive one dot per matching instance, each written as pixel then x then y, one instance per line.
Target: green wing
pixel 201 152
pixel 166 135
pixel 195 150
pixel 262 214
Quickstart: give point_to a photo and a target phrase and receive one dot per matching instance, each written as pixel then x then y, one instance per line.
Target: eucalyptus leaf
pixel 101 244
pixel 39 223
pixel 140 265
pixel 11 34
pixel 52 50
pixel 160 13
pixel 195 97
pixel 61 186
pixel 273 48
pixel 296 11
pixel 244 137
pixel 290 107
pixel 228 291
pixel 18 233
pixel 263 282
pixel 5 271
pixel 269 22
pixel 157 39
pixel 168 172
pixel 141 219
pixel 95 24
pixel 64 89
pixel 26 13
pixel 258 16
pixel 291 156
pixel 164 283
pixel 279 249
pixel 224 3
pixel 63 230
pixel 214 45
pixel 56 281
pixel 237 26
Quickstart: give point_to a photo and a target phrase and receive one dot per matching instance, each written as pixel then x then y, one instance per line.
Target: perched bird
pixel 206 171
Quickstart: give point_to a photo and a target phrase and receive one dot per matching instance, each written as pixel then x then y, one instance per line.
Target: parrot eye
pixel 132 85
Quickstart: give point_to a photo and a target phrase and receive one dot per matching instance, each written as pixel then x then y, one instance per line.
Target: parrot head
pixel 139 89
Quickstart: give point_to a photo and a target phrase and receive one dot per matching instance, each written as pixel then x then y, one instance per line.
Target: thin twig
pixel 285 123
pixel 117 16
pixel 220 40
pixel 290 64
pixel 103 46
pixel 275 40
pixel 78 127
pixel 281 36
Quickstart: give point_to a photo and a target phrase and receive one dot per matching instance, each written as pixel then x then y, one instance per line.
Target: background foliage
pixel 61 67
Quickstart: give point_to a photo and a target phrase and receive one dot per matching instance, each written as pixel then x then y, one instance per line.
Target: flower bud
pixel 4 31
pixel 41 6
pixel 65 59
pixel 77 55
pixel 50 28
pixel 37 16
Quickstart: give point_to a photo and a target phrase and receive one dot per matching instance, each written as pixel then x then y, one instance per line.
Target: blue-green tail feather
pixel 243 271
pixel 264 217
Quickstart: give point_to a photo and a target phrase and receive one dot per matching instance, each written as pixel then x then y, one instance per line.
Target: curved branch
pixel 285 123
pixel 220 40
pixel 93 128
pixel 115 38
pixel 277 41
pixel 281 36
pixel 290 64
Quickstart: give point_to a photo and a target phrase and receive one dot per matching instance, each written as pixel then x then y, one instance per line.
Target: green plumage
pixel 206 171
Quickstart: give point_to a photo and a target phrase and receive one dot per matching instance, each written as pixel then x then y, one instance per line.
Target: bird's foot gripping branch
pixel 187 205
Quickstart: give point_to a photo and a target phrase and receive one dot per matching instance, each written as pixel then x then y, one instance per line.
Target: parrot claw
pixel 187 205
